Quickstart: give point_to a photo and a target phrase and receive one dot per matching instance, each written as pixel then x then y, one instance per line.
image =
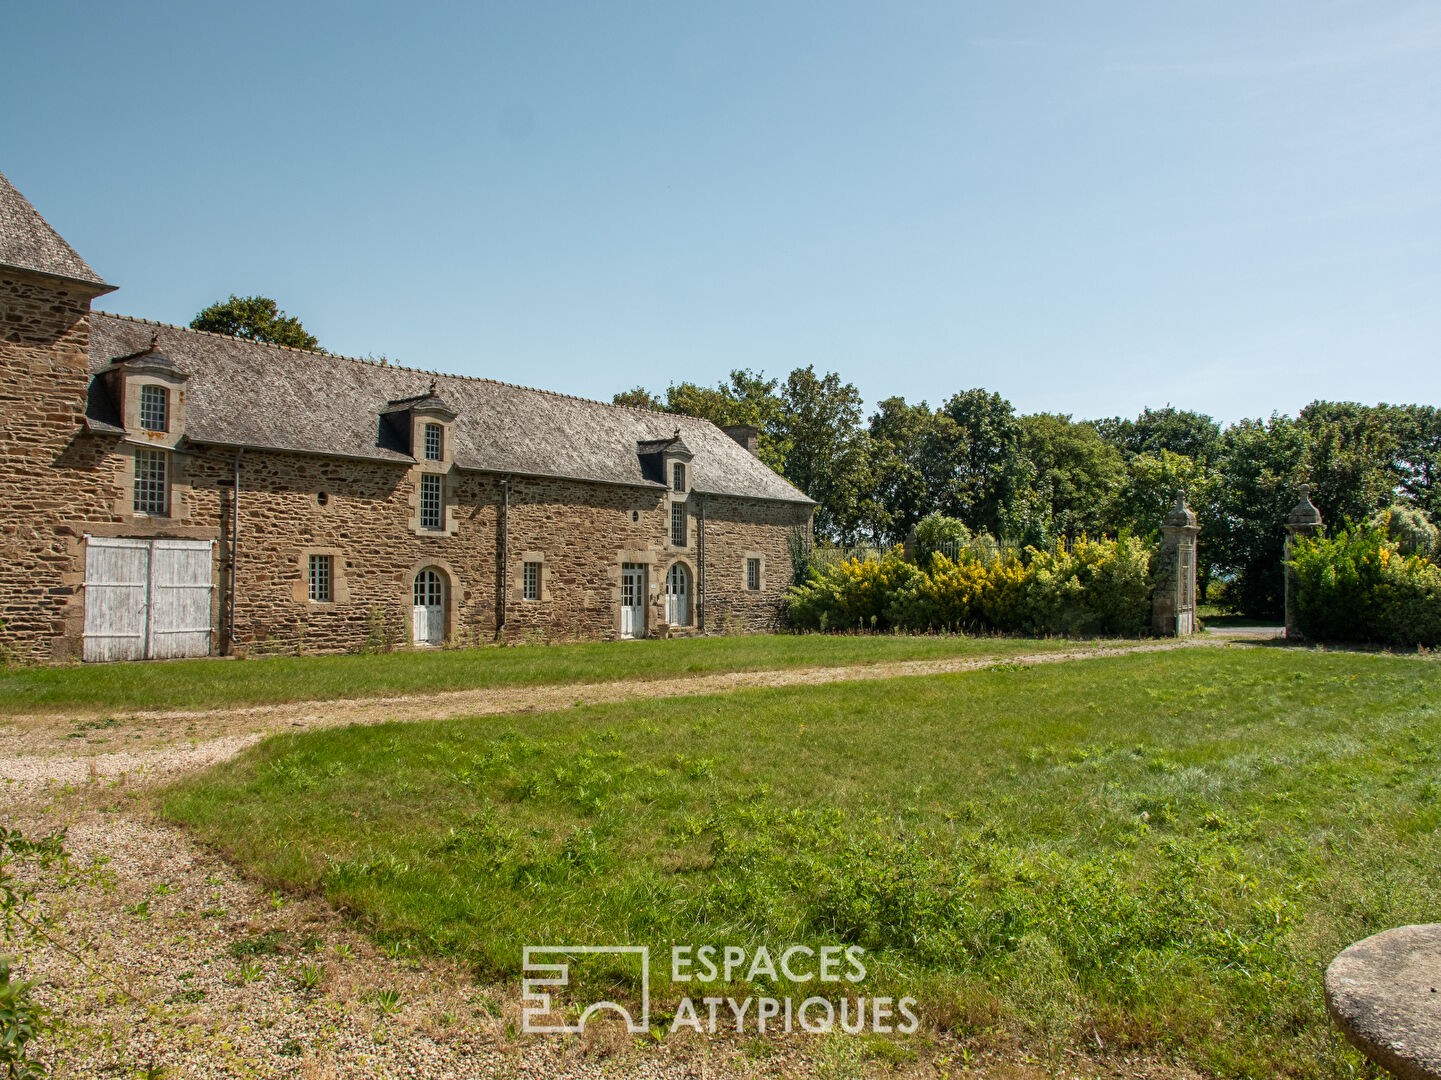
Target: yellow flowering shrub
pixel 1099 587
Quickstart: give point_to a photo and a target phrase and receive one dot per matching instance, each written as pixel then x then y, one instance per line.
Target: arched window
pixel 677 595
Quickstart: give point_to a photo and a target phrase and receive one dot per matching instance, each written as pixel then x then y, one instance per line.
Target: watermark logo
pixel 536 988
pixel 548 969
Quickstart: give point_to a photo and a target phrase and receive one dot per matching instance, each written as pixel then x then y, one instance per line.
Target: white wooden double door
pixel 147 599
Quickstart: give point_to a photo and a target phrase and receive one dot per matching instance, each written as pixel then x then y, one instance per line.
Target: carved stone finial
pixel 1304 513
pixel 1181 514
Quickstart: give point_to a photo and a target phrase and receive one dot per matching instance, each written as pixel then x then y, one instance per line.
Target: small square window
pixel 434 441
pixel 677 524
pixel 677 476
pixel 321 578
pixel 753 575
pixel 152 482
pixel 431 502
pixel 154 408
pixel 530 581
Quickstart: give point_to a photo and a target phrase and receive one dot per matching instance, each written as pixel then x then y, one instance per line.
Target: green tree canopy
pixel 638 397
pixel 828 452
pixel 914 461
pixel 1191 434
pixel 255 318
pixel 991 486
pixel 1076 475
pixel 1262 463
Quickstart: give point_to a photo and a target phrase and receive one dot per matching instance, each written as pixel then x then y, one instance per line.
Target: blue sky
pixel 1088 207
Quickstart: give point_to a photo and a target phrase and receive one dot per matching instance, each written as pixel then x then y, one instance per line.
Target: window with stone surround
pixel 677 524
pixel 432 501
pixel 154 408
pixel 434 442
pixel 677 476
pixel 530 581
pixel 753 575
pixel 322 578
pixel 152 482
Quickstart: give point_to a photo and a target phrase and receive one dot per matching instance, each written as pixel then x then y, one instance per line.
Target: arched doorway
pixel 677 595
pixel 427 625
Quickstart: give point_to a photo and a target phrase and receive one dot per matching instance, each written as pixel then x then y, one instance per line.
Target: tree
pixel 254 318
pixel 638 397
pixel 1191 434
pixel 991 483
pixel 1418 454
pixel 914 462
pixel 1351 459
pixel 828 456
pixel 1262 463
pixel 1076 475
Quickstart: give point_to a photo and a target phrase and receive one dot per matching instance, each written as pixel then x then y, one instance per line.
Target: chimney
pixel 747 436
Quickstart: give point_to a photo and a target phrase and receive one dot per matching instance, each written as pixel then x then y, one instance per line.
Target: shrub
pixel 1098 587
pixel 1359 586
pixel 851 595
pixel 937 533
pixel 945 598
pixel 1412 530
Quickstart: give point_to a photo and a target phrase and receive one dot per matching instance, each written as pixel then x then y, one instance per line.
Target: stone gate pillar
pixel 1173 604
pixel 1305 520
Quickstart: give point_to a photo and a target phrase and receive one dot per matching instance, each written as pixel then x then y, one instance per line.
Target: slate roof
pixel 244 393
pixel 27 242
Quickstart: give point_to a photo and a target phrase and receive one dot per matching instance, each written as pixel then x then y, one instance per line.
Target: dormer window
pixel 154 408
pixel 434 442
pixel 677 476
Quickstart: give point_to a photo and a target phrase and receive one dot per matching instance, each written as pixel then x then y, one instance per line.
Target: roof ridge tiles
pixel 392 366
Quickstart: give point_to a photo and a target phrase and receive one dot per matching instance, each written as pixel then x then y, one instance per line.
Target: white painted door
pixel 147 599
pixel 117 598
pixel 632 600
pixel 428 614
pixel 677 596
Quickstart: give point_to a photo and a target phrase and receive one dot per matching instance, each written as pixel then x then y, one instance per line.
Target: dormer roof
pixel 428 402
pixel 149 358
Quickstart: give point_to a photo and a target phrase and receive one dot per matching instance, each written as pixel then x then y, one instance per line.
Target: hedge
pixel 1098 587
pixel 1358 586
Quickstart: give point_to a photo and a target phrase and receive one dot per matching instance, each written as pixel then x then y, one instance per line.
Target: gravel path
pixel 189 967
pixel 35 750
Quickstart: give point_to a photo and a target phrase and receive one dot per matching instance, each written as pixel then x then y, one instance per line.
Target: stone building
pixel 168 492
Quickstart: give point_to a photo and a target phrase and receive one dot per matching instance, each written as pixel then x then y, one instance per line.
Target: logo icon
pixel 540 977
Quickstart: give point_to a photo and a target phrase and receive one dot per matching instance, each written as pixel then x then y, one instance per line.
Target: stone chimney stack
pixel 747 436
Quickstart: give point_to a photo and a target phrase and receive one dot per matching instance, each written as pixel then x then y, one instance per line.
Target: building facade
pixel 168 492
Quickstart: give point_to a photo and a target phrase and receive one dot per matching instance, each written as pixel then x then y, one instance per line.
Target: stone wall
pixel 737 530
pixel 581 535
pixel 47 466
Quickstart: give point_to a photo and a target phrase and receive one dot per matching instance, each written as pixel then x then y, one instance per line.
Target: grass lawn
pixel 1161 851
pixel 204 684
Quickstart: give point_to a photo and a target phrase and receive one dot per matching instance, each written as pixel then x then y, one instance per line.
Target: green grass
pixel 202 684
pixel 1159 850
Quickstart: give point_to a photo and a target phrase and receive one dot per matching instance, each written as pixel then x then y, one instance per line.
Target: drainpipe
pixel 234 554
pixel 700 559
pixel 504 575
